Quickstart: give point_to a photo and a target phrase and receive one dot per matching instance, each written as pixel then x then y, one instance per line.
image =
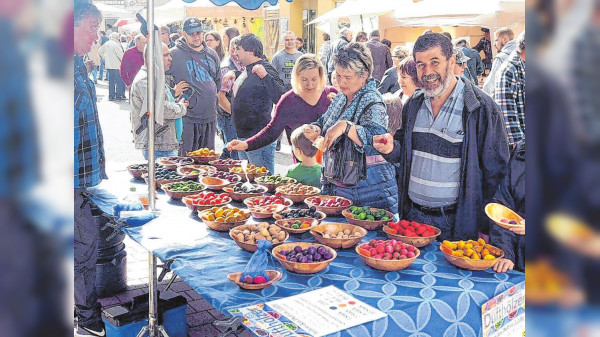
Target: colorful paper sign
pixel 315 313
pixel 504 315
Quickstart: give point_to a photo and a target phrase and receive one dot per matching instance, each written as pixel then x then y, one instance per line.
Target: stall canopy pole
pixel 150 100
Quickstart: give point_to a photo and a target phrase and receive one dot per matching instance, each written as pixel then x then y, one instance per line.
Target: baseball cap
pixel 192 25
pixel 460 55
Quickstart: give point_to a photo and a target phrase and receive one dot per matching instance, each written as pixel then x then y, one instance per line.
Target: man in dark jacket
pixel 451 148
pixel 199 66
pixel 254 93
pixel 344 39
pixel 382 58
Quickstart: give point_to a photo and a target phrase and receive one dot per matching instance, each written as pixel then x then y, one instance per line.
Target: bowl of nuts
pixel 223 219
pixel 338 235
pixel 247 236
pixel 297 192
pixel 298 225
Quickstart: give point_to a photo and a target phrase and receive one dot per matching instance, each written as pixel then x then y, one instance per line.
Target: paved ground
pixel 120 152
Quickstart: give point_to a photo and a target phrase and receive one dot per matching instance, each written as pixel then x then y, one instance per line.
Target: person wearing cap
pixel 344 39
pixel 474 65
pixel 382 58
pixel 461 62
pixel 199 66
pixel 389 81
pixel 509 92
pixel 451 149
pixel 505 44
pixel 485 45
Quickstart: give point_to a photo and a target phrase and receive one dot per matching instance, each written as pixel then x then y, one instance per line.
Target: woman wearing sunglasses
pixel 358 113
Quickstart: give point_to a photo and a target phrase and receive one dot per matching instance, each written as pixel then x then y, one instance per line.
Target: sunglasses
pixel 351 55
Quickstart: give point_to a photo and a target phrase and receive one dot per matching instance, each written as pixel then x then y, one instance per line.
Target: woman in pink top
pixel 304 104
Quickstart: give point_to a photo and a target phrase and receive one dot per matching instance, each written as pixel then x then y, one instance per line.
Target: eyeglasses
pixel 352 55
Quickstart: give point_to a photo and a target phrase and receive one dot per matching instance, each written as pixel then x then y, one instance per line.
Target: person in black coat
pixel 511 193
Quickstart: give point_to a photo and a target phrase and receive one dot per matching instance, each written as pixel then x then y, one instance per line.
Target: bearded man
pixel 451 148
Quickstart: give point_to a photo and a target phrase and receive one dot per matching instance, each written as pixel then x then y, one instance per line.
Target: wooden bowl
pixel 274 276
pixel 159 182
pixel 214 183
pixel 171 165
pixel 252 247
pixel 277 216
pixel 178 195
pixel 297 198
pixel 251 176
pixel 496 212
pixel 388 265
pixel 199 208
pixel 470 264
pixel 204 159
pixel 223 167
pixel 324 209
pixel 136 173
pixel 220 226
pixel 243 196
pixel 272 187
pixel 367 224
pixel 282 224
pixel 264 215
pixel 317 232
pixel 299 267
pixel 181 170
pixel 415 241
pixel 250 202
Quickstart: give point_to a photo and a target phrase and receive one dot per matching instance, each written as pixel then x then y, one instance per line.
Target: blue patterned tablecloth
pixel 430 298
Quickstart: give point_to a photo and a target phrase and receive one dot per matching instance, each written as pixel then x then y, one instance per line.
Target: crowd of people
pixel 437 147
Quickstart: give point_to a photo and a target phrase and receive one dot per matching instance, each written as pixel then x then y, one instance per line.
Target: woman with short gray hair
pixel 359 114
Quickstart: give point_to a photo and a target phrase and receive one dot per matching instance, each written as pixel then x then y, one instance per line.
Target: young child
pixel 308 171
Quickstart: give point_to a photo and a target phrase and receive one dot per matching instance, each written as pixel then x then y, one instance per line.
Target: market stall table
pixel 431 297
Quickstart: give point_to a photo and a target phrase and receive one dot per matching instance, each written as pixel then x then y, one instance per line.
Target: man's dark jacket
pixel 483 162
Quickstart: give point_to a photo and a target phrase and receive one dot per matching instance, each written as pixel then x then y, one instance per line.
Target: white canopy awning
pixel 488 13
pixel 111 11
pixel 352 8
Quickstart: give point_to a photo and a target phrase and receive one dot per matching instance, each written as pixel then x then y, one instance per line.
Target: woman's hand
pixel 383 143
pixel 237 145
pixel 181 87
pixel 311 132
pixel 334 133
pixel 331 96
pixel 503 265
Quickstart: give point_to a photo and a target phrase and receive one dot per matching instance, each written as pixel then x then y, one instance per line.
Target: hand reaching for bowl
pixel 237 145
